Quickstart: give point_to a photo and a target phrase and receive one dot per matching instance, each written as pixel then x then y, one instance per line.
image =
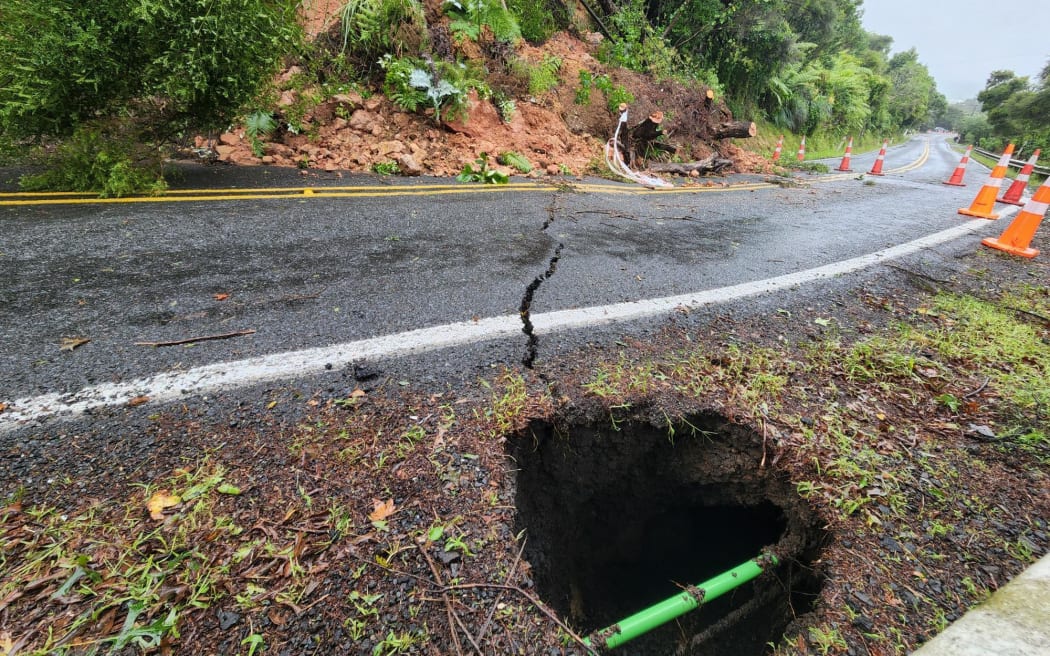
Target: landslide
pixel 335 127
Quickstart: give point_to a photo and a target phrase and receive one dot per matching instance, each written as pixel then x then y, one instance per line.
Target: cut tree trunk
pixel 642 139
pixel 738 129
pixel 712 164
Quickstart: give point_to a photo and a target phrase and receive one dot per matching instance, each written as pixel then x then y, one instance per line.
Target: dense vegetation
pixel 109 76
pixel 106 77
pixel 1009 109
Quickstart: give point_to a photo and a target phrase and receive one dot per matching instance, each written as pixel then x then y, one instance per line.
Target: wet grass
pixel 915 443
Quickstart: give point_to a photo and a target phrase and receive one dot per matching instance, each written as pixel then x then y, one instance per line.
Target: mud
pixel 619 517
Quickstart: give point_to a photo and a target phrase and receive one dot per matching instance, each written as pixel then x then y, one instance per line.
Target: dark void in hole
pixel 617 520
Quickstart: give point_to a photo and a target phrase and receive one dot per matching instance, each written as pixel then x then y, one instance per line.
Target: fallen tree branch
pixel 712 164
pixel 452 617
pixel 499 597
pixel 534 601
pixel 737 129
pixel 205 338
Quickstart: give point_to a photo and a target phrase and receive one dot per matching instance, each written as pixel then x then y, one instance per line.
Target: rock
pixel 267 159
pixel 227 620
pixel 330 167
pixel 287 98
pixel 339 124
pixel 224 152
pixel 363 120
pixel 553 169
pixel 229 138
pixel 409 165
pixel 349 100
pixel 289 74
pixel 479 118
pixel 388 147
pixel 373 103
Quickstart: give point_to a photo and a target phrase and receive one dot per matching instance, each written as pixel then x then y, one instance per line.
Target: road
pixel 348 267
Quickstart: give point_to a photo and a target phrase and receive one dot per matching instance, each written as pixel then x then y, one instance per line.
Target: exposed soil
pixel 343 131
pixel 519 514
pixel 507 517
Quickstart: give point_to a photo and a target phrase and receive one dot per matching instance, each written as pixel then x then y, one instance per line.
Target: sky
pixel 962 41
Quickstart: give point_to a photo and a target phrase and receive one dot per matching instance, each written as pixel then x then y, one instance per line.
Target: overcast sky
pixel 963 41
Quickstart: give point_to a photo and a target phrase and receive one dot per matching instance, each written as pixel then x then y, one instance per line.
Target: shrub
pixel 102 158
pixel 164 65
pixel 539 20
pixel 469 16
pixel 412 85
pixel 373 28
pixel 544 76
pixel 187 62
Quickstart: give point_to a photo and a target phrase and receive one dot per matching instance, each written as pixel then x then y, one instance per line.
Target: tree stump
pixel 642 140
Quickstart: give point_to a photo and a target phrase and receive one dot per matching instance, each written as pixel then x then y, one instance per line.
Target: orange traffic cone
pixel 780 144
pixel 1018 235
pixel 802 150
pixel 983 205
pixel 1013 194
pixel 844 166
pixel 957 177
pixel 876 168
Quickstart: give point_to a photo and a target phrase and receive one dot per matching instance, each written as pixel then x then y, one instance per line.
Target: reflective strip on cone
pixel 983 205
pixel 1017 238
pixel 1020 183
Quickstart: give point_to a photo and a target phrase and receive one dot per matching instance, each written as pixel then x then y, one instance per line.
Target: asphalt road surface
pixel 353 259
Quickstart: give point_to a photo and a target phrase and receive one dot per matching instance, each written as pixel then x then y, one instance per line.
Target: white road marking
pixel 212 378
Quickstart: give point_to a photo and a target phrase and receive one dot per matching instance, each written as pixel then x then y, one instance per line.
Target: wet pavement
pixel 309 270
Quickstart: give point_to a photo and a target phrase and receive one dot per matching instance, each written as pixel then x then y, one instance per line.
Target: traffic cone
pixel 876 168
pixel 844 166
pixel 1013 194
pixel 957 177
pixel 983 205
pixel 802 150
pixel 780 144
pixel 1018 235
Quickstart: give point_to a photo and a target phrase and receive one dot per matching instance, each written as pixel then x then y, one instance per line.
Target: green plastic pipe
pixel 663 612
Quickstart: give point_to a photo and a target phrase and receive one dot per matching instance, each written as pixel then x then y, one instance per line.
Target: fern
pixel 516 160
pixel 468 16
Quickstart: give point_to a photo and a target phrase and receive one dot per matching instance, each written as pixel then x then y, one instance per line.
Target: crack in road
pixel 525 309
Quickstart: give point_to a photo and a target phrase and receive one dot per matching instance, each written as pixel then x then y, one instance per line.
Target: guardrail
pixel 1014 163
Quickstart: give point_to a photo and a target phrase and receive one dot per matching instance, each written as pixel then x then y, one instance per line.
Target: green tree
pixel 155 66
pixel 1003 94
pixel 913 95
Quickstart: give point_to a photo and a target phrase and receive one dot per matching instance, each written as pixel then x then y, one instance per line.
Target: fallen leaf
pixel 271 405
pixel 159 501
pixel 822 322
pixel 383 509
pixel 220 296
pixel 3 406
pixel 70 343
pixel 358 393
pixel 226 488
pixel 137 401
pixel 7 645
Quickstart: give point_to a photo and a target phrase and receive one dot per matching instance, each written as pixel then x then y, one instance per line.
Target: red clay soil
pixel 348 132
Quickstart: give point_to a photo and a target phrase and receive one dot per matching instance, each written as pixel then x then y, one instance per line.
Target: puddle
pixel 617 520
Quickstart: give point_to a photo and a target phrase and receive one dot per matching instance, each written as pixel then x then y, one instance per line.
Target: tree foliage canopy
pixel 182 61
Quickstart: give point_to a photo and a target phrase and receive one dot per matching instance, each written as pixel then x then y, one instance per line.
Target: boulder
pixel 409 165
pixel 479 119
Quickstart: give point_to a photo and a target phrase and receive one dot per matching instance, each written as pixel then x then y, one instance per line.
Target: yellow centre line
pixel 917 163
pixel 302 193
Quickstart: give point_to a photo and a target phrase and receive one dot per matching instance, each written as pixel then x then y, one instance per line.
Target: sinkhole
pixel 620 517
